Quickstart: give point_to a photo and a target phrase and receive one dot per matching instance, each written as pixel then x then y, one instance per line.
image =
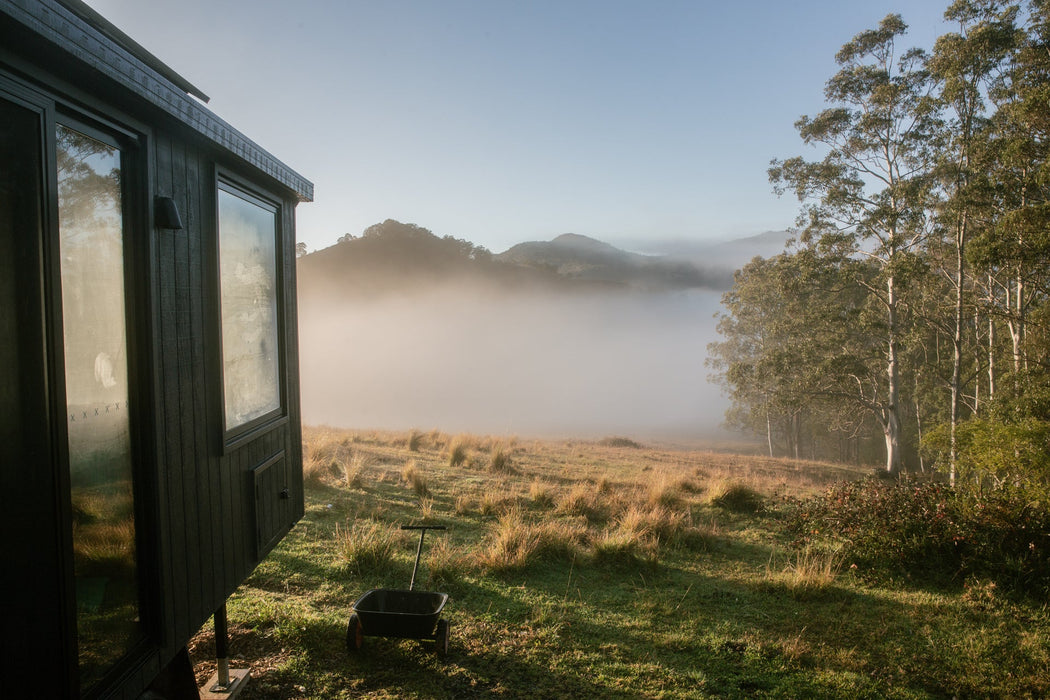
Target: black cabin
pixel 150 443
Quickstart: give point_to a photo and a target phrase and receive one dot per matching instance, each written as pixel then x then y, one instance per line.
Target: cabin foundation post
pixel 225 683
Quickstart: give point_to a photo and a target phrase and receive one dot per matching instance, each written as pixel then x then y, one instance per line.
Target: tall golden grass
pixel 367 546
pixel 615 502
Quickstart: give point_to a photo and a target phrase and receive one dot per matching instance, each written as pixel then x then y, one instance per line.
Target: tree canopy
pixel 907 321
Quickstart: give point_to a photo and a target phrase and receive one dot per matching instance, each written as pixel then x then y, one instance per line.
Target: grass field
pixel 603 569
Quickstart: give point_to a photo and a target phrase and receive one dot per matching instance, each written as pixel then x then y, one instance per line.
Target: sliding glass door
pixel 91 223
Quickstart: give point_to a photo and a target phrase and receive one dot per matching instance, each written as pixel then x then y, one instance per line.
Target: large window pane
pixel 95 354
pixel 248 281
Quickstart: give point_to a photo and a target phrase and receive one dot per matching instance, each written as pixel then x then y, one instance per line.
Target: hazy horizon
pixel 537 364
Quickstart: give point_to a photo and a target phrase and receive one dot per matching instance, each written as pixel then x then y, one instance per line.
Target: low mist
pixel 534 364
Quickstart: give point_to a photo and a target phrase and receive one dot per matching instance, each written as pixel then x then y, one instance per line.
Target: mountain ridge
pixel 392 256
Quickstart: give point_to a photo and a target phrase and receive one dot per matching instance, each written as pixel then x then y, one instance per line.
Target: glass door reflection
pixel 91 234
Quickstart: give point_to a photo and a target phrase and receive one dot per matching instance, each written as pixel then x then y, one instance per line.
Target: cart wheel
pixel 354 633
pixel 441 638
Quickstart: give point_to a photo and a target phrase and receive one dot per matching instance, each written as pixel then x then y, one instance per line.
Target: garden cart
pixel 399 613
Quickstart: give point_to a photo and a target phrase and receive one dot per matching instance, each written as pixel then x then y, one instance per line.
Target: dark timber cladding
pixel 150 443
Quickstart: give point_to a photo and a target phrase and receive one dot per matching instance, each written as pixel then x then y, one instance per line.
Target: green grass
pixel 607 571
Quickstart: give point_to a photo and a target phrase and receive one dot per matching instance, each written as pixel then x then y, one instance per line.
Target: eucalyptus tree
pixel 871 190
pixel 795 358
pixel 1015 253
pixel 761 358
pixel 966 64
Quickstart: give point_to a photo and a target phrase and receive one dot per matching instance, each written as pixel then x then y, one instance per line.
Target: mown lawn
pixel 603 569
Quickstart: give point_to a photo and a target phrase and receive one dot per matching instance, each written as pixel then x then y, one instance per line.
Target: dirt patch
pixel 248 648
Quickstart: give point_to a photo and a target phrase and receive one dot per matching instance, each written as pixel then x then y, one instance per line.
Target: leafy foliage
pixel 932 533
pixel 913 307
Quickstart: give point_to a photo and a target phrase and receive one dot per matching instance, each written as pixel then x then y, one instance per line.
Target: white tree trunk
pixel 892 424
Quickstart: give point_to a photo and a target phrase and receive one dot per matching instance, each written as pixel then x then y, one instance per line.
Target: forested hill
pixel 394 257
pixel 582 258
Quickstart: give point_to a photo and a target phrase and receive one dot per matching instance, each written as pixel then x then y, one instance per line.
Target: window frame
pixel 132 143
pixel 239 435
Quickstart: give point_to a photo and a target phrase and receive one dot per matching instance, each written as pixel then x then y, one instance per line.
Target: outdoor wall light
pixel 166 214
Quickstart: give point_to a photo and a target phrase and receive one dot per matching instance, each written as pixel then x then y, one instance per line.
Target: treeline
pixel 907 322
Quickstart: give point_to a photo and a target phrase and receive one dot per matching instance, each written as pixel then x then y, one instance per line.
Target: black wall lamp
pixel 166 214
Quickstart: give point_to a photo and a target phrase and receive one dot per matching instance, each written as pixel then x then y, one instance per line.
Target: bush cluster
pixel 932 533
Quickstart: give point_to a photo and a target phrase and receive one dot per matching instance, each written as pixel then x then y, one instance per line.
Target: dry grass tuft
pixel 659 521
pixel 665 490
pixel 317 469
pixel 619 549
pixel 413 476
pixel 444 563
pixel 540 494
pixel 426 508
pixel 351 472
pixel 105 546
pixel 583 499
pixel 515 542
pixel 489 502
pixel 458 450
pixel 808 572
pixel 366 546
pixel 496 502
pixel 499 460
pixel 464 504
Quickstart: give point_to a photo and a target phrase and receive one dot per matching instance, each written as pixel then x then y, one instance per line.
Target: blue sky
pixel 500 122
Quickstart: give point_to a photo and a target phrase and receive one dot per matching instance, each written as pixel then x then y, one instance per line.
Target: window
pixel 95 349
pixel 248 285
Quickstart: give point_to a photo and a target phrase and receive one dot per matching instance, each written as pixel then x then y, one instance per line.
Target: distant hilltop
pixel 394 257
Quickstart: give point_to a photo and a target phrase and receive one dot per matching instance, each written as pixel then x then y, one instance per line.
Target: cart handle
pixel 419 550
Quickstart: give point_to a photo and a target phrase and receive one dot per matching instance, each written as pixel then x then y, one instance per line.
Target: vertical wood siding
pixel 212 511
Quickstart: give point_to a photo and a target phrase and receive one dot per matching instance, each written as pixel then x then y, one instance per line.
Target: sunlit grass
pixel 608 570
pixel 366 546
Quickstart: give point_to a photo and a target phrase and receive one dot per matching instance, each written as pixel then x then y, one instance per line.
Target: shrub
pixel 932 532
pixel 415 441
pixel 996 453
pixel 885 525
pixel 615 441
pixel 737 498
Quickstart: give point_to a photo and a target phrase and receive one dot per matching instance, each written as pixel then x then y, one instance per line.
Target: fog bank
pixel 583 365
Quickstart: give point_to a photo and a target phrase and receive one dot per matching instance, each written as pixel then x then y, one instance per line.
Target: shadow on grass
pixel 721 638
pixel 683 633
